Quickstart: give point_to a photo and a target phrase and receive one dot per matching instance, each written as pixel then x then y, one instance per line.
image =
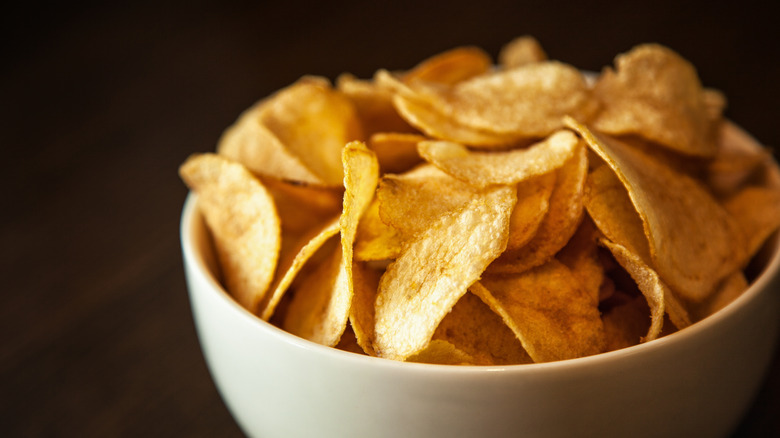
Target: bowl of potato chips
pixel 480 247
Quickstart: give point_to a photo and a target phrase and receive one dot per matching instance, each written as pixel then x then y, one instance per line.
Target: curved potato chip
pixel 303 207
pixel 435 270
pixel 533 203
pixel 289 267
pixel 731 287
pixel 361 314
pixel 441 352
pixel 547 309
pixel 376 240
pixel 409 202
pixel 472 327
pixel 657 94
pixel 374 105
pixel 693 241
pixel 625 320
pixel 648 282
pixel 301 129
pixel 482 169
pixel 422 115
pixel 451 67
pixel 581 256
pixel 609 205
pixel 559 224
pixel 526 101
pixel 256 147
pixel 319 311
pixel 243 221
pixel 757 211
pixel 521 51
pixel 396 151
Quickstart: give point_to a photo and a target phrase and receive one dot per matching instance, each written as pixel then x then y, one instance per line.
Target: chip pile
pixel 472 211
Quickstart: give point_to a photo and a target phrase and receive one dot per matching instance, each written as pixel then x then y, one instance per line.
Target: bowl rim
pixel 189 225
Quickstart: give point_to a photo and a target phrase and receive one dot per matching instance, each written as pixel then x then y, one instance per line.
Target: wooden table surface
pixel 100 104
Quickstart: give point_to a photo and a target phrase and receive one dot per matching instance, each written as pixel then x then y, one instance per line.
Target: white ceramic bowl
pixel 696 382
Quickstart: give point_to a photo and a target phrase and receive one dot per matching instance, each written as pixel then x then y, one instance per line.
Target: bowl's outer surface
pixel 697 382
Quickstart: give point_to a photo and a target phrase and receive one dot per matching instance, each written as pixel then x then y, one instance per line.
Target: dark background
pixel 100 104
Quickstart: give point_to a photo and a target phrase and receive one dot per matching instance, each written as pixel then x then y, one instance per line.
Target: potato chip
pixel 521 51
pixel 526 102
pixel 319 302
pixel 451 67
pixel 250 143
pixel 303 207
pixel 559 224
pixel 656 93
pixel 732 287
pixel 421 114
pixel 243 221
pixel 362 318
pixel 581 256
pixel 548 310
pixel 435 270
pixel 694 242
pixel 653 288
pixel 374 105
pixel 473 328
pixel 290 266
pixel 320 308
pixel 533 203
pixel 610 207
pixel 441 352
pixel 375 240
pixel 740 159
pixel 307 123
pixel 410 202
pixel 482 169
pixel 625 320
pixel 396 151
pixel 756 209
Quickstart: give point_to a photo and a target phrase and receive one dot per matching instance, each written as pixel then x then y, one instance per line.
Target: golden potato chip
pixel 308 121
pixel 435 270
pixel 756 210
pixel 291 265
pixel 740 159
pixel 694 242
pixel 374 105
pixel 521 51
pixel 548 310
pixel 581 256
pixel 421 114
pixel 482 169
pixel 611 209
pixel 559 224
pixel 472 327
pixel 242 218
pixel 250 143
pixel 653 288
pixel 533 203
pixel 526 101
pixel 625 320
pixel 441 352
pixel 396 151
pixel 320 299
pixel 376 240
pixel 303 207
pixel 365 281
pixel 657 94
pixel 451 67
pixel 409 202
pixel 732 287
